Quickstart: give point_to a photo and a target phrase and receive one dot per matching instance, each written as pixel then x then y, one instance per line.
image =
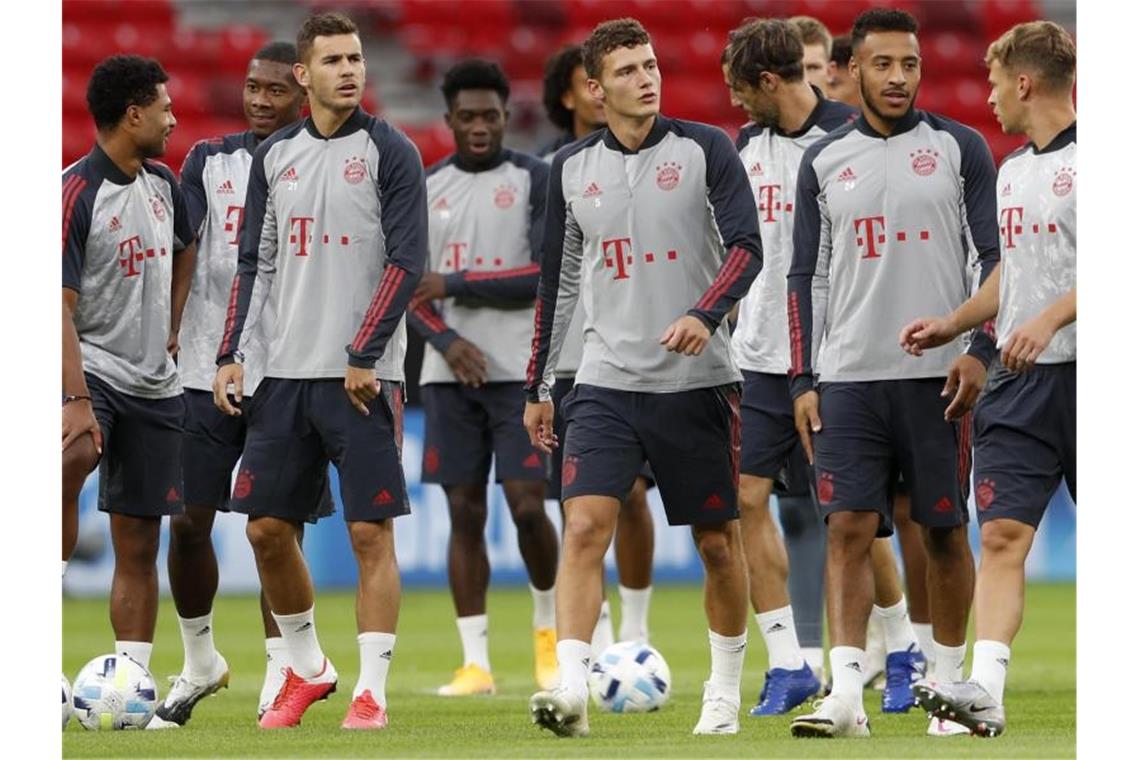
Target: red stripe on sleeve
pixel 231 316
pixel 529 269
pixel 796 333
pixel 370 315
pixel 71 191
pixel 383 300
pixel 737 262
pixel 429 318
pixel 532 365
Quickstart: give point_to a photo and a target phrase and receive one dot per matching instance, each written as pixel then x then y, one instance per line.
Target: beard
pixel 870 104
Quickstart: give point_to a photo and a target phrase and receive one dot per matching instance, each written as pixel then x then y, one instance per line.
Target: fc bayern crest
pixel 924 162
pixel 1063 183
pixel 825 488
pixel 569 471
pixel 158 208
pixel 244 484
pixel 354 171
pixel 668 175
pixel 504 196
pixel 984 494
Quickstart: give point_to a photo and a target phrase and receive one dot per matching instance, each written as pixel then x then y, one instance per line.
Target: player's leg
pixel 633 552
pixel 892 646
pixel 79 459
pixel 914 572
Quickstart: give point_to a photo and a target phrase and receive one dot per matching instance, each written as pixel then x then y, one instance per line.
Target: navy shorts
pixel 875 430
pixel 211 448
pixel 296 427
pixel 465 426
pixel 1025 441
pixel 771 446
pixel 562 388
pixel 140 473
pixel 691 439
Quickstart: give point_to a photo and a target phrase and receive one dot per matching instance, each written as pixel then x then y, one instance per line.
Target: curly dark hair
pixel 120 82
pixel 608 36
pixel 881 20
pixel 556 79
pixel 278 52
pixel 474 74
pixel 771 45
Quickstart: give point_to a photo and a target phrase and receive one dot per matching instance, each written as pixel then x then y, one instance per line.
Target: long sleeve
pixel 979 177
pixel 808 277
pixel 403 197
pixel 735 216
pixel 426 321
pixel 193 190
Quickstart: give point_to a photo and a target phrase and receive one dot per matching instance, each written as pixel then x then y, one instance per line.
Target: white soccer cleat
pixel 833 718
pixel 720 712
pixel 940 727
pixel 274 680
pixel 560 711
pixel 186 693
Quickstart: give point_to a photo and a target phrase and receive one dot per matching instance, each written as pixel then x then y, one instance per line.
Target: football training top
pixel 642 237
pixel 485 234
pixel 120 236
pixel 1037 207
pixel 335 238
pixel 887 229
pixel 771 158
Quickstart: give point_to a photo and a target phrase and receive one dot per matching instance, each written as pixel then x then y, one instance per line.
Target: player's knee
pixel 79 459
pixel 468 517
pixel 584 533
pixel 715 548
pixel 1002 538
pixel 852 530
pixel 135 542
pixel 269 536
pixel 189 530
pixel 371 539
pixel 529 515
pixel 945 543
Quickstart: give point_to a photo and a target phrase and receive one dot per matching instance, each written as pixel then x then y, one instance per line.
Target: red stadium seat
pixel 75 94
pixel 190 95
pixel 238 44
pixel 159 12
pixel 948 55
pixel 999 15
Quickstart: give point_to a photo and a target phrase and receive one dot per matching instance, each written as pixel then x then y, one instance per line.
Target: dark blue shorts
pixel 465 426
pixel 140 473
pixel 562 388
pixel 211 448
pixel 296 427
pixel 873 431
pixel 691 439
pixel 771 446
pixel 1025 441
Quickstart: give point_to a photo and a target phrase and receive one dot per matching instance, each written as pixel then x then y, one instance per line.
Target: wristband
pixel 69 399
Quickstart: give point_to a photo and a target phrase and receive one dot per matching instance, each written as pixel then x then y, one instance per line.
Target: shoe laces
pixel 365 707
pixel 292 681
pixel 902 676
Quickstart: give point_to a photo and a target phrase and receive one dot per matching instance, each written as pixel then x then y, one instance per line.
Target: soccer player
pixel 766 75
pixel 891 213
pixel 817 49
pixel 214 177
pixel 840 83
pixel 333 241
pixel 640 217
pixel 485 231
pixel 1025 424
pixel 128 258
pixel 572 108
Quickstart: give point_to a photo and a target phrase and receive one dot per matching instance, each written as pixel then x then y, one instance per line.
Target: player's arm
pixel 931 332
pixel 403 193
pixel 558 285
pixel 1030 340
pixel 78 414
pixel 462 356
pixel 193 189
pixel 735 216
pixel 809 286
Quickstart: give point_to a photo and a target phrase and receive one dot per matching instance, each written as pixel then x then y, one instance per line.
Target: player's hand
pixel 538 419
pixel 807 421
pixel 467 362
pixel 228 374
pixel 431 288
pixel 688 336
pixel 1027 343
pixel 172 343
pixel 78 420
pixel 927 332
pixel 966 379
pixel 361 386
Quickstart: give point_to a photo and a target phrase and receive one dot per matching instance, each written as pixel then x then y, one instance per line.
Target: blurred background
pixel 205 46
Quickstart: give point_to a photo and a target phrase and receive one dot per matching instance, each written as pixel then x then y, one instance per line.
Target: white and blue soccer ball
pixel 630 676
pixel 114 692
pixel 66 700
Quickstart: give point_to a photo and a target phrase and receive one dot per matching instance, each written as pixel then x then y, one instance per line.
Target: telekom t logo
pixel 1011 223
pixel 620 247
pixel 127 251
pixel 768 203
pixel 455 250
pixel 873 231
pixel 299 233
pixel 234 217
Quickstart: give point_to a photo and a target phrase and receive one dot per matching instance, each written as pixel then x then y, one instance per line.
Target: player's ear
pixel 568 100
pixel 597 92
pixel 1024 86
pixel 301 74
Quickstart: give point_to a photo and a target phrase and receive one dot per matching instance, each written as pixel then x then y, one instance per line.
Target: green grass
pixel 1040 699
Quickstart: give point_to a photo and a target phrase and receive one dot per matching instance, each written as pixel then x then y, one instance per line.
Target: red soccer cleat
pixel 364 713
pixel 296 695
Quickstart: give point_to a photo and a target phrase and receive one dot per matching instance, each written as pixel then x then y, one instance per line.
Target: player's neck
pixel 122 152
pixel 583 128
pixel 328 121
pixel 631 131
pixel 1048 119
pixel 796 107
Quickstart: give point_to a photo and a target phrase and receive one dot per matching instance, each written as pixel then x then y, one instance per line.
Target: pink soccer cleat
pixel 296 695
pixel 364 713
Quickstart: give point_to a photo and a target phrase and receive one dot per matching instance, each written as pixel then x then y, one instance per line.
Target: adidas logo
pixel 713 502
pixel 854 666
pixel 386 655
pixel 943 505
pixel 304 627
pixel 756 170
pixel 226 188
pixel 289 176
pixel 847 175
pixel 591 190
pixel 776 627
pixel 382 498
pixel 533 461
pixel 115 224
pixel 172 495
pixel 1004 662
pixel 204 631
pixel 1006 191
pixel 440 205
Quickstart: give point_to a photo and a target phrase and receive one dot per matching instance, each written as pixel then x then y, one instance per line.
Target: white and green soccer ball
pixel 630 676
pixel 66 700
pixel 114 692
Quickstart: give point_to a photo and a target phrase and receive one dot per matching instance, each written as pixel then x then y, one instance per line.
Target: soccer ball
pixel 66 700
pixel 114 691
pixel 630 676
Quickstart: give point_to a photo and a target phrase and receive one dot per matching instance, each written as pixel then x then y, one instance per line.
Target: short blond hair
pixel 1043 46
pixel 812 32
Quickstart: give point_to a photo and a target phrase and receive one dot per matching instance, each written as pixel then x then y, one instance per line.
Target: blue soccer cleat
pixel 903 669
pixel 785 690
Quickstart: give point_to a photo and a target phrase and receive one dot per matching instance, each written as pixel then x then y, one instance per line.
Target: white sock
pixel 813 656
pixel 573 665
pixel 197 645
pixel 603 636
pixel 949 663
pixel 634 613
pixel 991 661
pixel 924 632
pixel 847 676
pixel 727 662
pixel 778 628
pixel 375 658
pixel 897 629
pixel 300 633
pixel 276 655
pixel 138 651
pixel 473 634
pixel 543 607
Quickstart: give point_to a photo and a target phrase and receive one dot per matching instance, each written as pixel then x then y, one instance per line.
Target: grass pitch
pixel 1040 697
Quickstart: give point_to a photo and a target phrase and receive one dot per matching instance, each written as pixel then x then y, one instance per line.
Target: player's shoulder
pixel 563 154
pixel 834 114
pixel 440 165
pixel 824 143
pixel 284 134
pixel 389 138
pixel 1020 152
pixel 160 170
pixel 966 136
pixel 524 160
pixel 705 134
pixel 748 132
